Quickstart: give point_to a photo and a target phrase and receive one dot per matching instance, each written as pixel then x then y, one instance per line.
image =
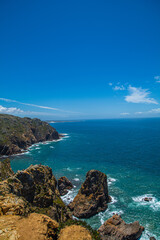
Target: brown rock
pixel 64 185
pixel 5 169
pixel 33 190
pixel 147 199
pixel 92 196
pixel 34 227
pixel 74 232
pixel 116 229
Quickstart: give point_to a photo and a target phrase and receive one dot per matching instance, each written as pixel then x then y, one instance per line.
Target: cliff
pixel 17 134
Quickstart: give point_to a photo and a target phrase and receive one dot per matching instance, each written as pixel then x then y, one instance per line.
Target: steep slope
pixel 17 134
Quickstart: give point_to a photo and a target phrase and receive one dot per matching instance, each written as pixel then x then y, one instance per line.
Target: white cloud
pixel 121 88
pixel 125 114
pixel 11 110
pixel 110 84
pixel 157 78
pixel 139 95
pixel 138 113
pixel 154 110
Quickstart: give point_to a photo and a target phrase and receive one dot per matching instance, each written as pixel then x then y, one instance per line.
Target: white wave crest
pixel 111 180
pixel 153 203
pixel 76 179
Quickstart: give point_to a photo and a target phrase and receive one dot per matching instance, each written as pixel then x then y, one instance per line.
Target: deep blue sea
pixel 128 151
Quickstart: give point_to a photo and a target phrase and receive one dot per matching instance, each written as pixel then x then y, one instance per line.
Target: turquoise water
pixel 128 151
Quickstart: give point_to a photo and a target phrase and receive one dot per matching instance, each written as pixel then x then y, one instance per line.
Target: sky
pixel 80 59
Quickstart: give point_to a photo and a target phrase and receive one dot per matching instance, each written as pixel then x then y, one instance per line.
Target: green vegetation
pixel 19 133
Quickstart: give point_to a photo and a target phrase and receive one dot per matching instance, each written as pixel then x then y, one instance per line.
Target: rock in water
pixel 64 185
pixel 116 229
pixel 92 196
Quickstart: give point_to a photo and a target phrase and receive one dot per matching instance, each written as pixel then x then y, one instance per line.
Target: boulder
pixel 64 185
pixel 147 199
pixel 74 232
pixel 116 229
pixel 92 196
pixel 35 226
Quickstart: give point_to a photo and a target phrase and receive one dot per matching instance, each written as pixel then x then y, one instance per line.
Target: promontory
pixel 17 134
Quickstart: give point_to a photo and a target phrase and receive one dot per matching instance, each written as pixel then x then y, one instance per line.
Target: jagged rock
pixel 64 185
pixel 116 229
pixel 17 134
pixel 33 227
pixel 74 232
pixel 92 196
pixel 5 169
pixel 33 190
pixel 147 199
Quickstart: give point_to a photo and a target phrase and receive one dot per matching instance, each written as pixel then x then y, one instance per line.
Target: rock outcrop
pixel 33 227
pixel 17 134
pixel 116 229
pixel 92 196
pixel 33 190
pixel 64 185
pixel 74 232
pixel 5 169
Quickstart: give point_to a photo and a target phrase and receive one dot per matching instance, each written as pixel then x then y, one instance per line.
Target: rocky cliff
pixel 31 208
pixel 17 134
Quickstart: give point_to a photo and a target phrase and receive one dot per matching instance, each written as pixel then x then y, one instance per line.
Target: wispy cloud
pixel 154 110
pixel 110 84
pixel 117 88
pixel 37 106
pixel 139 113
pixel 157 78
pixel 125 114
pixel 11 110
pixel 139 95
pixel 29 104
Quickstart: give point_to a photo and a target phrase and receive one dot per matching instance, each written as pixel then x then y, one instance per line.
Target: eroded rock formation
pixel 116 229
pixel 34 189
pixel 64 185
pixel 92 197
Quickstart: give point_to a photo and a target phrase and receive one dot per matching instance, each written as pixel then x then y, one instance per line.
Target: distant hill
pixel 17 134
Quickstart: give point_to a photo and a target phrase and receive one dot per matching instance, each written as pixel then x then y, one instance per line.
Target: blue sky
pixel 80 59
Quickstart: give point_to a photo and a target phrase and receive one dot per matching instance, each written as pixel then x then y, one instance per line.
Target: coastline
pixel 62 135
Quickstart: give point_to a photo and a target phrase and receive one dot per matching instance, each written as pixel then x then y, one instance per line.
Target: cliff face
pixel 17 134
pixel 5 169
pixel 32 190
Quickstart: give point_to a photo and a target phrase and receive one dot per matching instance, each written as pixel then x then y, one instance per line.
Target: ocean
pixel 127 150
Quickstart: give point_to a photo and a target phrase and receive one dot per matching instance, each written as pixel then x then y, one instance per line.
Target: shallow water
pixel 128 151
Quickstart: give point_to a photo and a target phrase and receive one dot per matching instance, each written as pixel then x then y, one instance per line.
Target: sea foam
pixel 154 204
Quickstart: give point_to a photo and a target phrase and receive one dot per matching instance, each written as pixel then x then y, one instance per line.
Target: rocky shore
pixel 17 134
pixel 31 207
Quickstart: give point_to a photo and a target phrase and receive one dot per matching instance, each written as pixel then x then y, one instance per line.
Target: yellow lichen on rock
pixel 74 232
pixel 34 227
